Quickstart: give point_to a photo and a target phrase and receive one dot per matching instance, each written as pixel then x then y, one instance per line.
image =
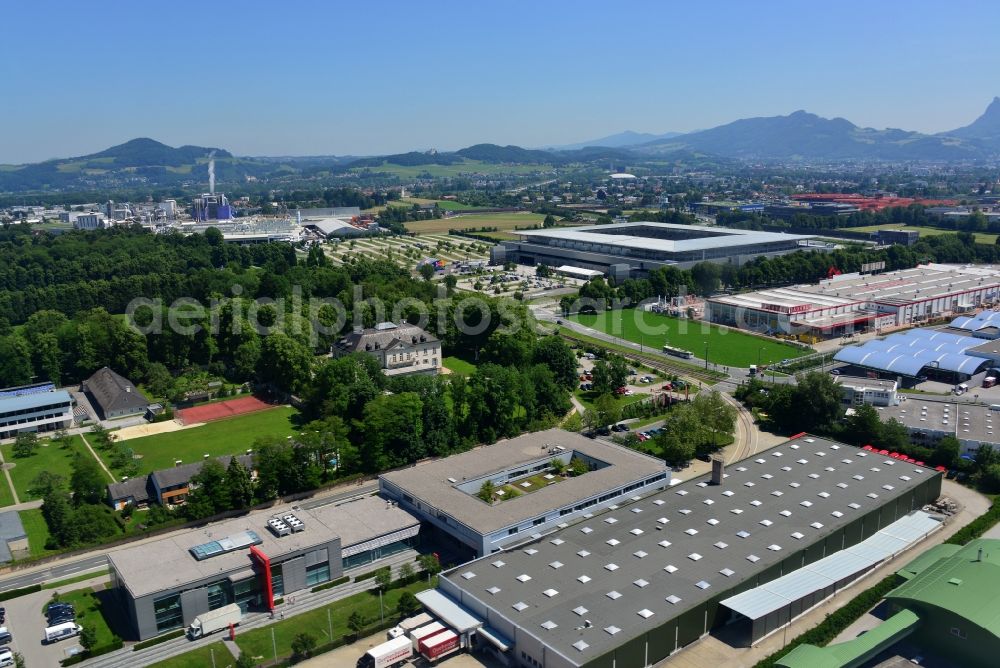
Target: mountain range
pixel 800 136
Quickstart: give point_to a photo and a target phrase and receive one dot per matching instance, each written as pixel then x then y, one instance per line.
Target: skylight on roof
pixel 872 495
pixel 611 567
pixel 794 446
pixel 837 513
pixel 786 468
pixel 767 476
pixel 613 595
pixel 610 520
pixel 670 568
pixel 760 460
pixel 774 548
pixel 468 575
pixel 816 525
pixel 803 461
pixel 556 564
pixel 721 545
pixel 709 502
pixel 753 558
pixel 493 590
pixel 823 495
pixel 585 530
pixel 694 556
pixel 637 510
pixel 701 584
pixel 797 536
pixel 712 521
pixel 580 610
pixel 681 492
pixel 755 502
pixel 736 511
pixel 684 511
pixel 728 492
pixel 611 630
pixel 584 579
pixel 793 484
pixel 664 543
pixel 842 485
pixel 551 593
pixel 806 504
pixel 636 532
pixel 583 553
pixel 748 484
pixel 580 645
pixel 663 520
pixel 645 613
pixel 612 542
pixel 673 600
pixel 640 583
pixel 777 493
pixel 854 505
pixel 499 564
pixel 743 534
pixel 766 523
pixel 691 532
pixel 814 476
pixel 785 513
pixel 888 487
pixel 659 502
pixel 557 541
pixel 728 572
pixel 523 577
pixel 548 625
pixel 530 551
pixel 639 554
pixel 520 606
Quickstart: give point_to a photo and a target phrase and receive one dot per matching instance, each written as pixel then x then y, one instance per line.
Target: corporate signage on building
pixel 784 308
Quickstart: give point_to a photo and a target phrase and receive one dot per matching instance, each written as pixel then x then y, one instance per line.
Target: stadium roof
pixel 617 234
pixel 967 584
pixel 633 566
pixel 907 353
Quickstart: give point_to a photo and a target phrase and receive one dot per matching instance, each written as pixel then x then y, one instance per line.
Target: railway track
pixel 657 362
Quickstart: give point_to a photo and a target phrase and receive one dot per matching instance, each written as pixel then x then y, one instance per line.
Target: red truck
pixel 435 646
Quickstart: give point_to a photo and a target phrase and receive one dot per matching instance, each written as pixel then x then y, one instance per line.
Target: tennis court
pixel 221 410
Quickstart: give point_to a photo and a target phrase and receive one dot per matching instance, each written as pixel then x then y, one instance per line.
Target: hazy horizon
pixel 393 77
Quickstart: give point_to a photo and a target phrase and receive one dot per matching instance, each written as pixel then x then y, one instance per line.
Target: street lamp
pixel 706 355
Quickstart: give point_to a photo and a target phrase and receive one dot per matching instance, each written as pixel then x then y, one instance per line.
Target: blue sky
pixel 307 78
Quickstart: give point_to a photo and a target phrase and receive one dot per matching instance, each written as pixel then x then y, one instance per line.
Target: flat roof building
pixel 624 250
pixel 930 421
pixel 860 302
pixel 164 584
pixel 41 411
pixel 628 586
pixel 860 391
pixel 444 493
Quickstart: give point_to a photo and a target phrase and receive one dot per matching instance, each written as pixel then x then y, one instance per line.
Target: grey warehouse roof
pixel 721 237
pixel 635 566
pixel 141 569
pixel 429 482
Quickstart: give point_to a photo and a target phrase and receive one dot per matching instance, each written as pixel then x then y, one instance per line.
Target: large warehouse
pixel 624 250
pixel 859 302
pixel 920 353
pixel 444 493
pixel 252 560
pixel 628 586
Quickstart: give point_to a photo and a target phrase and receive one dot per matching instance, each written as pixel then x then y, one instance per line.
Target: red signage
pixel 783 308
pixel 265 567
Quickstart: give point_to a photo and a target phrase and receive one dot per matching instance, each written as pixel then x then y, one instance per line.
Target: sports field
pixel 229 436
pixel 981 237
pixel 501 221
pixel 221 409
pixel 725 346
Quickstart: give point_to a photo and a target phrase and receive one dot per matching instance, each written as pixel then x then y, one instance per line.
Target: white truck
pixel 214 620
pixel 388 654
pixel 407 625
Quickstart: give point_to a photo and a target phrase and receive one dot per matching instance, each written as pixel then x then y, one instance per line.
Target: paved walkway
pixel 100 461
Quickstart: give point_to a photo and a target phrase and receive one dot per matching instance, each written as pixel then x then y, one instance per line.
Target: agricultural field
pixel 224 437
pixel 443 204
pixel 408 251
pixel 725 346
pixel 981 237
pixel 501 221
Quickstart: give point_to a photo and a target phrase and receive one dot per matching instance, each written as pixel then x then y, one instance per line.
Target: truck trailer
pixel 388 654
pixel 434 647
pixel 407 625
pixel 214 620
pixel 416 635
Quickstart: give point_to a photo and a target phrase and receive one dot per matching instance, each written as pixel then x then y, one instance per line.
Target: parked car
pixel 603 431
pixel 835 372
pixel 5 636
pixel 6 657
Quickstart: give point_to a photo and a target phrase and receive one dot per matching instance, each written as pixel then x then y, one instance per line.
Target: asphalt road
pixel 63 569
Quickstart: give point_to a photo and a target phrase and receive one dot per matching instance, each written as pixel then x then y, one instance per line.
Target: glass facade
pixel 370 556
pixel 277 582
pixel 219 594
pixel 168 613
pixel 317 573
pixel 246 594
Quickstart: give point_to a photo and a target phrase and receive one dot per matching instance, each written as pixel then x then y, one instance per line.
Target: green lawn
pixel 587 398
pixel 200 658
pixel 981 237
pixel 6 496
pixel 258 641
pixel 88 612
pixel 459 366
pixel 225 437
pixel 725 346
pixel 37 530
pixel 49 457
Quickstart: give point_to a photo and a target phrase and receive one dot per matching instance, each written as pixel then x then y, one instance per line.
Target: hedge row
pixel 977 527
pixel 339 642
pixel 837 621
pixel 370 574
pixel 157 640
pixel 14 593
pixel 331 584
pixel 112 646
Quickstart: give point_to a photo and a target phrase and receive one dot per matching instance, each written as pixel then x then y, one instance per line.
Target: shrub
pixel 157 640
pixel 14 593
pixel 331 584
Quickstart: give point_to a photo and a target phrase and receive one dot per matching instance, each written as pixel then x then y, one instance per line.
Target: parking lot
pixel 26 623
